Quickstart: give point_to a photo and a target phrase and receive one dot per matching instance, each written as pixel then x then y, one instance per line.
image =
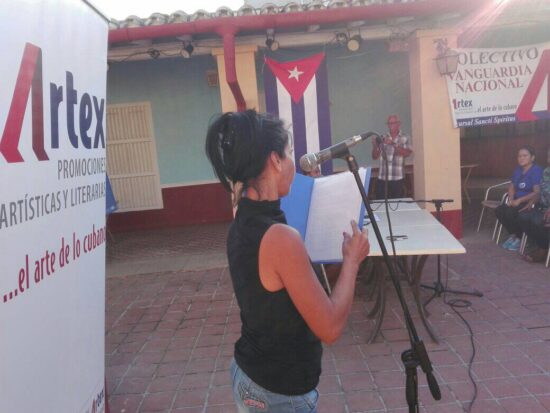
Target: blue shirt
pixel 523 183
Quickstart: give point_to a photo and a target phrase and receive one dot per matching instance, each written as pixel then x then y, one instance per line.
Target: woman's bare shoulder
pixel 282 237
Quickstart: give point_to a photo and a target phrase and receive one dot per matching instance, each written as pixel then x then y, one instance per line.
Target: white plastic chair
pixel 493 204
pixel 523 244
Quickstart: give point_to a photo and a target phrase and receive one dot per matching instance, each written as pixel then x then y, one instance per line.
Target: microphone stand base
pixel 411 362
pixel 439 289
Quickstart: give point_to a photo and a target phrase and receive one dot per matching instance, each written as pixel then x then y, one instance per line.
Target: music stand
pixel 438 287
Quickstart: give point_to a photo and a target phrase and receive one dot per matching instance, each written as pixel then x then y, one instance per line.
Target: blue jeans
pixel 251 398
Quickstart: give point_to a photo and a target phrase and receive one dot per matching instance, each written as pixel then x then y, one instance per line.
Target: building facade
pixel 184 69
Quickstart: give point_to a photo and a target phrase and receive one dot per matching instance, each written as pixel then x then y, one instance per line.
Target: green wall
pixel 364 88
pixel 182 104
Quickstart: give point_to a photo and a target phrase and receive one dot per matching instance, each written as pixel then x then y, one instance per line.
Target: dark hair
pixel 239 143
pixel 528 148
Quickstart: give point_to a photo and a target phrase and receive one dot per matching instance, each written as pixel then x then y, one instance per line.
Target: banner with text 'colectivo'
pixel 52 207
pixel 493 86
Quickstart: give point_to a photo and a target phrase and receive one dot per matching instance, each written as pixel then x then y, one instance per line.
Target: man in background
pixel 396 146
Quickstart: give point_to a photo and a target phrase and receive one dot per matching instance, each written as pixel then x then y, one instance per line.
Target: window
pixel 132 157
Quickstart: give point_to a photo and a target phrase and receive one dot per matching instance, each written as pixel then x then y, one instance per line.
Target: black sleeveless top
pixel 277 350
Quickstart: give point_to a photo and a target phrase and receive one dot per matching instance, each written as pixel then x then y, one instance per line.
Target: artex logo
pixel 462 104
pixel 30 79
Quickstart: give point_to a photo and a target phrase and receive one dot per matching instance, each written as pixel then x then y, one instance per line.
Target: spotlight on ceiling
pixel 270 41
pixel 271 44
pixel 354 43
pixel 154 53
pixel 341 38
pixel 187 50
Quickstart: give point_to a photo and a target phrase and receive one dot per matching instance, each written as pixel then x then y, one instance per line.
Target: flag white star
pixel 295 73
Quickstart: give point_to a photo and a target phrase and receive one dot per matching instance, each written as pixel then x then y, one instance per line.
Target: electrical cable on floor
pixel 462 303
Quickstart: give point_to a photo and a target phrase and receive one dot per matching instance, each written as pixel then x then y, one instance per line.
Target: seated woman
pixel 535 222
pixel 522 193
pixel 284 311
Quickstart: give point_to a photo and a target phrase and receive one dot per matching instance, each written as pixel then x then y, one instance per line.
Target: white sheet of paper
pixel 335 201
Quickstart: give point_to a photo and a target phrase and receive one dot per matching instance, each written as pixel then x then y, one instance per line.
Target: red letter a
pixel 29 77
pixel 525 108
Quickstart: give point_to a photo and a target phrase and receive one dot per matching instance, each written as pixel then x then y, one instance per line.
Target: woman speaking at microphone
pixel 284 310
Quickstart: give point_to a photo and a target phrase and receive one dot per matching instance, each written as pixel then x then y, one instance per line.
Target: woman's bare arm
pixel 511 193
pixel 284 263
pixel 530 198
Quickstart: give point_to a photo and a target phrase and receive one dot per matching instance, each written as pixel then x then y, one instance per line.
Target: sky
pixel 120 9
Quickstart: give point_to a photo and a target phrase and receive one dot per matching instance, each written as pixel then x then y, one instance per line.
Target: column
pixel 246 74
pixel 436 141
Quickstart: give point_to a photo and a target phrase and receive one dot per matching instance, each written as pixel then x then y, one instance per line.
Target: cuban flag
pixel 297 92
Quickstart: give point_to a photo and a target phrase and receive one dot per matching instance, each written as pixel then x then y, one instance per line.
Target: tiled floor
pixel 172 320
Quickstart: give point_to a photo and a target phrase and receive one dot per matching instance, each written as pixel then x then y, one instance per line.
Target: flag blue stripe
pixel 270 86
pixel 323 113
pixel 299 129
pixel 298 120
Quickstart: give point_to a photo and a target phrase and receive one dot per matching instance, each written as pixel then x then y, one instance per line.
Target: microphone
pixel 309 161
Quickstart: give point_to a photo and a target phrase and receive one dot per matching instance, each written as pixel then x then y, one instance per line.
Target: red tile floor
pixel 172 320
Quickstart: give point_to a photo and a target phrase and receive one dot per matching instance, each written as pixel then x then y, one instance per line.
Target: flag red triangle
pixel 296 75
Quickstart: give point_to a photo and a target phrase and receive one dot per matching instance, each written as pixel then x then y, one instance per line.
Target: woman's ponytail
pixel 239 143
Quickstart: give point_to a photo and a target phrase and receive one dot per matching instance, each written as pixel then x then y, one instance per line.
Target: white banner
pixel 493 86
pixel 52 207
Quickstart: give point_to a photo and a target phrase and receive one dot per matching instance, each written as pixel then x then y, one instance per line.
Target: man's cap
pixel 393 119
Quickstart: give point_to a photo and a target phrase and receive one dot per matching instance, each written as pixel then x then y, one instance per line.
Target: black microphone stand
pixel 438 287
pixel 417 354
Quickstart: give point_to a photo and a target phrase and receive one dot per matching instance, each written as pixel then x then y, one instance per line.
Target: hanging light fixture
pixel 187 50
pixel 447 58
pixel 153 53
pixel 354 43
pixel 270 41
pixel 341 38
